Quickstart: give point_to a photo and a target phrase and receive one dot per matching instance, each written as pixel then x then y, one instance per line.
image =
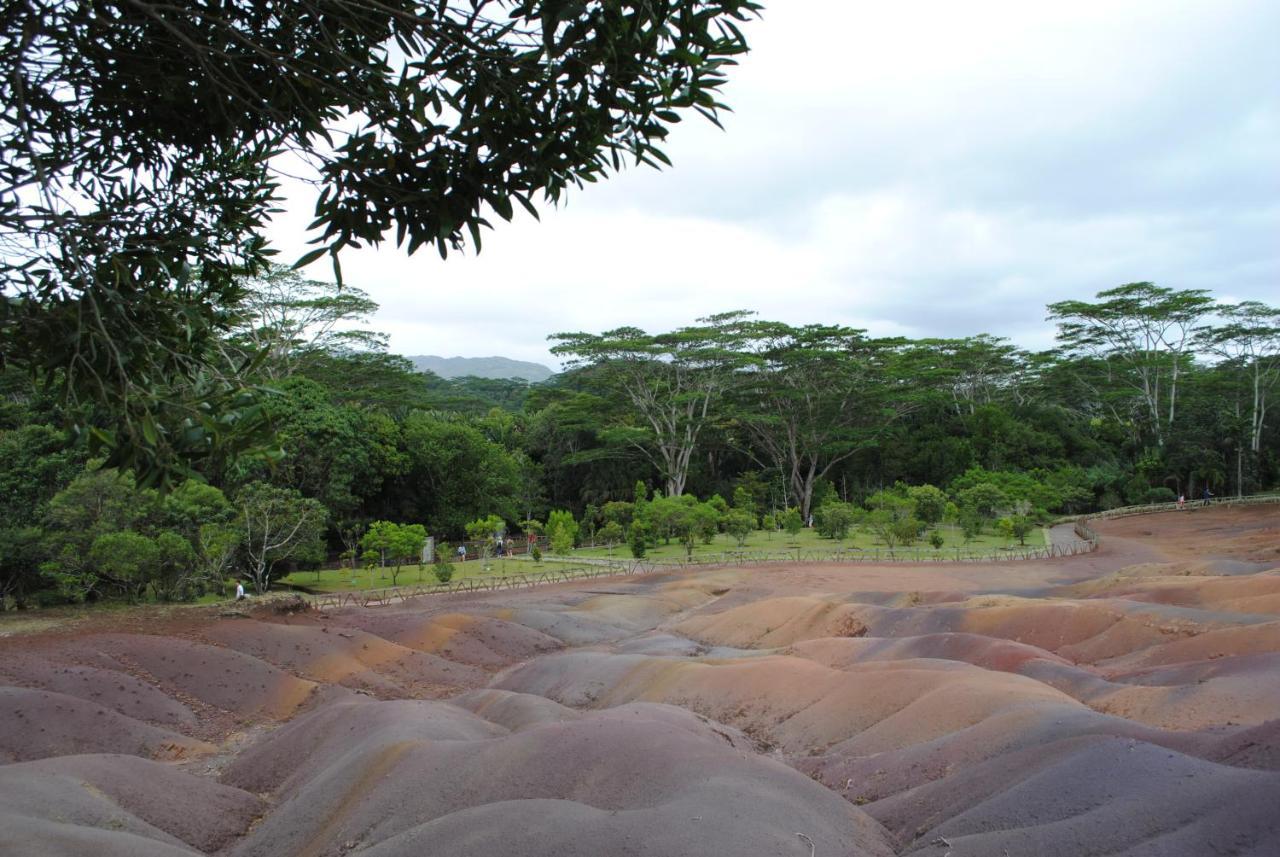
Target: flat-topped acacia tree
pixel 813 396
pixel 672 383
pixel 1144 334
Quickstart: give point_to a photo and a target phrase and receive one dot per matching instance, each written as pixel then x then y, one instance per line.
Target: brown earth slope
pixel 1125 702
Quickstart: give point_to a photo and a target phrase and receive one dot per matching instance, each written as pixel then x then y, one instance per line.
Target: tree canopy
pixel 902 438
pixel 141 145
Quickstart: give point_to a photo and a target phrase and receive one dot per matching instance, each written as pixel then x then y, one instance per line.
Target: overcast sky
pixel 919 168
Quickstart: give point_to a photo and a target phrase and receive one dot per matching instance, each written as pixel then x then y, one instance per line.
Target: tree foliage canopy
pixel 140 144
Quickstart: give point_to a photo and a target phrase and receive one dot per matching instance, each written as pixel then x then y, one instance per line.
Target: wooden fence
pixel 1151 508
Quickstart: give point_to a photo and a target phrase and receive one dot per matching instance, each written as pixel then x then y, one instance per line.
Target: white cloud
pixel 919 168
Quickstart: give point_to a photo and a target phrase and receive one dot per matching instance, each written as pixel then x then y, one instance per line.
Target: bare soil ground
pixel 1125 702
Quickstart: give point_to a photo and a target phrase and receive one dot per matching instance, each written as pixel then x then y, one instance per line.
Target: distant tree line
pixel 1150 393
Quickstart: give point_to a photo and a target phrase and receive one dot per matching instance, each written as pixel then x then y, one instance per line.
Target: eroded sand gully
pixel 1125 702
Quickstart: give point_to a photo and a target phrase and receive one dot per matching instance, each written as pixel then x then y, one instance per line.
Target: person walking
pixel 1182 502
pixel 240 596
pixel 1208 495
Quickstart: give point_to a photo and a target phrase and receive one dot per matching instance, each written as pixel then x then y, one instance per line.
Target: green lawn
pixel 345 580
pixel 809 541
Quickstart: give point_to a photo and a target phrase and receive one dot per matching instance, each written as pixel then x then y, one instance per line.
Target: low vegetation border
pixel 600 567
pixel 1087 540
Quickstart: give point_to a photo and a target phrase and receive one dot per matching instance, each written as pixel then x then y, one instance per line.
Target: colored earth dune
pixel 1125 702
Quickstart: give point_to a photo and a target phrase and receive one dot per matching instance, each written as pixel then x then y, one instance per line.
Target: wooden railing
pixel 1152 508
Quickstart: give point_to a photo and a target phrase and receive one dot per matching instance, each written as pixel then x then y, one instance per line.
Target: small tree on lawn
pixel 278 523
pixel 611 534
pixel 907 530
pixel 834 519
pixel 484 531
pixel 930 503
pixel 792 522
pixel 1022 526
pixel 562 530
pixel 744 500
pixel 1015 527
pixel 983 499
pixel 378 540
pixel 740 523
pixel 638 539
pixel 705 520
pixel 351 531
pixel 882 523
pixel 618 512
pixel 443 569
pixel 407 543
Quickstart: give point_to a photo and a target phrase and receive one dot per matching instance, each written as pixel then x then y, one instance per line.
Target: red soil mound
pixel 1072 798
pixel 793 703
pixel 631 777
pixel 114 793
pixel 478 640
pixel 1121 702
pixel 985 652
pixel 775 622
pixel 351 658
pixel 117 690
pixel 36 724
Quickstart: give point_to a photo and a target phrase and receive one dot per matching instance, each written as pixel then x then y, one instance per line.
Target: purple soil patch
pixel 37 724
pixel 351 658
pixel 125 792
pixel 115 689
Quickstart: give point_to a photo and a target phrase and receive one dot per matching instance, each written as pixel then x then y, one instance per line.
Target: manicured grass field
pixel 808 540
pixel 346 580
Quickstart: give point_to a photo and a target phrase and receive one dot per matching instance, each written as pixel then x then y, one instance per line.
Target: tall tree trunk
pixel 1239 469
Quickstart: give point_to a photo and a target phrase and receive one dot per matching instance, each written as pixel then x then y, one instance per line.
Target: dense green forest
pixel 1150 393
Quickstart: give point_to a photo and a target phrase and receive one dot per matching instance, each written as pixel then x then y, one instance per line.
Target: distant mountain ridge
pixel 480 367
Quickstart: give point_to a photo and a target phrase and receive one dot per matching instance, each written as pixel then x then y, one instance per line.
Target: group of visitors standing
pixel 1207 496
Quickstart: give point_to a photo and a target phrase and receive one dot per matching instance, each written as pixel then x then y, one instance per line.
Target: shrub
pixel 834 519
pixel 638 540
pixel 936 539
pixel 562 531
pixel 984 499
pixel 443 571
pixel 930 503
pixel 611 533
pixel 1020 526
pixel 906 530
pixel 792 522
pixel 739 523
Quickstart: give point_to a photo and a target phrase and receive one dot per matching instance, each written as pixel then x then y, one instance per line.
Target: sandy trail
pixel 1121 702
